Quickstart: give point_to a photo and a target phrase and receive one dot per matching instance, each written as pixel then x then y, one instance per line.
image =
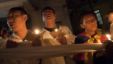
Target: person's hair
pixel 21 9
pixel 48 8
pixel 89 13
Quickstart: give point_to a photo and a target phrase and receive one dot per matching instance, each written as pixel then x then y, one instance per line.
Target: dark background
pixel 76 8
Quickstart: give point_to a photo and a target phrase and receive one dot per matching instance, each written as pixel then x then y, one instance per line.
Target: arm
pixel 70 37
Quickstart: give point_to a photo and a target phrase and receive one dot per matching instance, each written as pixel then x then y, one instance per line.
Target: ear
pixel 25 17
pixel 82 26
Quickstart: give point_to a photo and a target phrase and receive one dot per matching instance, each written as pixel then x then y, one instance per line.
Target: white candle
pixel 108 36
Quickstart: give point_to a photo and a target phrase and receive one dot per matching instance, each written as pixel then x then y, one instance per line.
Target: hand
pixel 70 38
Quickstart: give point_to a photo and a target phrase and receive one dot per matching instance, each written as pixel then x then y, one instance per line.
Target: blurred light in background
pixel 108 36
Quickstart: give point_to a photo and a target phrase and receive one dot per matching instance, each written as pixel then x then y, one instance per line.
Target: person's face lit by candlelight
pixel 89 23
pixel 49 17
pixel 17 21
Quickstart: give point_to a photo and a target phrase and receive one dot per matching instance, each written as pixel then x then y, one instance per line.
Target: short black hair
pixel 21 9
pixel 48 8
pixel 86 14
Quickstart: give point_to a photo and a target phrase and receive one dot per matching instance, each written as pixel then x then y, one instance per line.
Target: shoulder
pixel 81 38
pixel 65 29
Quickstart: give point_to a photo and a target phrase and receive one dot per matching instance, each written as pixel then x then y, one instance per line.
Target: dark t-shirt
pixel 81 38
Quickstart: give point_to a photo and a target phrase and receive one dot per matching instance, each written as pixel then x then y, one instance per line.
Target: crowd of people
pixel 51 35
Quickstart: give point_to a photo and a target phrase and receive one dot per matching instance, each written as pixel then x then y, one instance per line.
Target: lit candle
pixel 56 30
pixel 36 31
pixel 108 36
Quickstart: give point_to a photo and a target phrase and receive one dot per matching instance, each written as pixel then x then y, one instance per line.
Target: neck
pixel 89 33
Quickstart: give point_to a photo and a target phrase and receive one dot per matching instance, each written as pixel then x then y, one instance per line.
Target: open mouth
pixel 49 17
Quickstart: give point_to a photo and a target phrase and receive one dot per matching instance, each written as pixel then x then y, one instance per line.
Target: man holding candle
pixel 53 35
pixel 61 34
